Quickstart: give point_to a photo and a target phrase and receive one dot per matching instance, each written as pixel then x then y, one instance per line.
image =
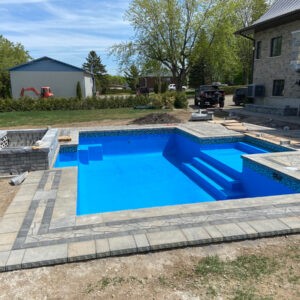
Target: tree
pixel 198 73
pixel 165 31
pixel 201 69
pixel 11 54
pixel 132 76
pixel 78 91
pixel 94 65
pixel 247 12
pixel 221 56
pixel 115 80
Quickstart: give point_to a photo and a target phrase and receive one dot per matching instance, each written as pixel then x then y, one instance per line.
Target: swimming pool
pixel 140 169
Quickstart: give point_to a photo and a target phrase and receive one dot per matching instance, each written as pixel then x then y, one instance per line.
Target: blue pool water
pixel 130 171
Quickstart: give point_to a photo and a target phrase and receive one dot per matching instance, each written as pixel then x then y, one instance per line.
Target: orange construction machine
pixel 45 92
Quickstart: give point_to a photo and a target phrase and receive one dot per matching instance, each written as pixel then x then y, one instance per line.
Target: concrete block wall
pixel 15 160
pixel 51 139
pixel 267 68
pixel 18 160
pixel 20 138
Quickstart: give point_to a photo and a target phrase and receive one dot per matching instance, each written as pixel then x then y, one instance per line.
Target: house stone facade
pixel 276 65
pixel 268 68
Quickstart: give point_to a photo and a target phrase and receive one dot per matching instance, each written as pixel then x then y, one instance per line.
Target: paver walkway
pixel 40 227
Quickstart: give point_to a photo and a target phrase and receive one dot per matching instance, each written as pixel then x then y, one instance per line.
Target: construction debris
pixel 18 179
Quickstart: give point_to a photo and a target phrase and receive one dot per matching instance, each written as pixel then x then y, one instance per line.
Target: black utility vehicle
pixel 209 96
pixel 240 96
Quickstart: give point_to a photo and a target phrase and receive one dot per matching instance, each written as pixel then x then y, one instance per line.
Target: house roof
pixel 282 11
pixel 47 64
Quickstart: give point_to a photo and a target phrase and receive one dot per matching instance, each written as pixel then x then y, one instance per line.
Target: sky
pixel 66 30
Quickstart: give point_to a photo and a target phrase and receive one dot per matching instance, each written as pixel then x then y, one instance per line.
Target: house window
pixel 258 50
pixel 276 46
pixel 278 87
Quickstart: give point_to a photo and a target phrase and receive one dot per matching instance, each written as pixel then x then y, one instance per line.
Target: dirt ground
pixel 157 118
pixel 7 193
pixel 256 269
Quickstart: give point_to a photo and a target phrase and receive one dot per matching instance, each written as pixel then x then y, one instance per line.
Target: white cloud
pixel 66 30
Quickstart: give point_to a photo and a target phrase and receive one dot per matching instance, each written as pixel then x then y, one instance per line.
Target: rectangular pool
pixel 140 170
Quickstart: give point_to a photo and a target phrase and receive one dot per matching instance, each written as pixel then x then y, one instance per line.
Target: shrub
pixel 180 100
pixel 44 104
pixel 229 90
pixel 165 100
pixel 157 101
pixel 78 90
pixel 168 100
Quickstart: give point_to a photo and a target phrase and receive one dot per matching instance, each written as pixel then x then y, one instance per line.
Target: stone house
pixel 62 78
pixel 276 63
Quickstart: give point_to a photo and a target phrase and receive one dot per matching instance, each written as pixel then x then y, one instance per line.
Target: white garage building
pixel 62 78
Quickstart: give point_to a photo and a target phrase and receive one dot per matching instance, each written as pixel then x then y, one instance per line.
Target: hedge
pixel 229 90
pixel 43 104
pixel 166 100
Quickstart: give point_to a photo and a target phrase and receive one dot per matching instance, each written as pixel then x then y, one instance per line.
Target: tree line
pixel 188 39
pixel 191 39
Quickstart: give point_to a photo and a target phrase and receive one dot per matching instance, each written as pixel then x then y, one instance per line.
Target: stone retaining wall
pixel 19 155
pixel 20 138
pixel 272 110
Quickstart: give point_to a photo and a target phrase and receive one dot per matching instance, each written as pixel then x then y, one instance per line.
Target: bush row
pixel 229 90
pixel 167 100
pixel 29 104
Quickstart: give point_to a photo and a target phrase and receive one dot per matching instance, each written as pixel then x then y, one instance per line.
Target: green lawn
pixel 43 118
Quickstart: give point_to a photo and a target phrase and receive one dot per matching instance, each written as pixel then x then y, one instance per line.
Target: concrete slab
pixel 43 256
pixel 166 239
pixel 81 251
pixel 142 243
pixel 231 232
pixel 269 227
pixel 196 235
pixel 122 245
pixel 15 259
pixel 3 259
pixel 215 234
pixel 102 248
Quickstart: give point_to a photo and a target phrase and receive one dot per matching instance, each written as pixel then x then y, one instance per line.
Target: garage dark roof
pixel 282 11
pixel 47 64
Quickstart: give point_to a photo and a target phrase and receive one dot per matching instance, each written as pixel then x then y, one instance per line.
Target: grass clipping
pixel 156 118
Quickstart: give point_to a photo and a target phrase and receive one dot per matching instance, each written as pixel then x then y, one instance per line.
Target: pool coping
pixel 40 227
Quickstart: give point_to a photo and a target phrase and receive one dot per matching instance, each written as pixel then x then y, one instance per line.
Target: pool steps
pixel 209 176
pixel 88 153
pixel 219 176
pixel 219 165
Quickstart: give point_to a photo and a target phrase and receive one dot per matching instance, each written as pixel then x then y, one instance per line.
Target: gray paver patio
pixel 41 227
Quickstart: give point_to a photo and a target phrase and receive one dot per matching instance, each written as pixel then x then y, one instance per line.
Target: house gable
pixel 46 64
pixel 45 71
